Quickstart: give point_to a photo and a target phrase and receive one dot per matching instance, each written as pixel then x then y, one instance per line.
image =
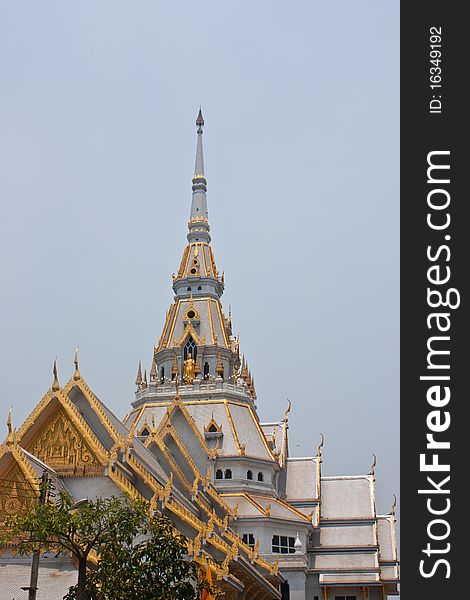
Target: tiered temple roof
pixel 265 523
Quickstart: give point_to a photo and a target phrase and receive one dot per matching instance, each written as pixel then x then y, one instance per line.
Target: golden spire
pixel 55 383
pixel 244 371
pixel 144 380
pixel 138 379
pixel 177 393
pixel 153 371
pixel 219 369
pixel 174 368
pixel 253 390
pixel 10 436
pixel 76 375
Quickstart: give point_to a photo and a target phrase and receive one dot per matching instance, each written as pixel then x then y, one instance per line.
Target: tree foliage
pixel 154 567
pixel 139 556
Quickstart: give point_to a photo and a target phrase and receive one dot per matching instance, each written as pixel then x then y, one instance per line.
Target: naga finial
pixel 55 383
pixel 10 436
pixel 76 375
pixel 322 441
pixel 374 463
pixel 288 409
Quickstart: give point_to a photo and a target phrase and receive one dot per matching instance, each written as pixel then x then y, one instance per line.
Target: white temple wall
pixel 347 535
pixel 297 581
pixel 91 487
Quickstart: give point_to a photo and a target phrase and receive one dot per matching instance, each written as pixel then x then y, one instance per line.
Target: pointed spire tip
pixel 200 120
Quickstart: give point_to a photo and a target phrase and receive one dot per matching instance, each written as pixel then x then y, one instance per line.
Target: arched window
pixel 228 474
pixel 249 474
pixel 188 289
pixel 162 375
pixel 218 474
pixel 199 287
pixel 190 349
pixel 260 476
pixel 206 370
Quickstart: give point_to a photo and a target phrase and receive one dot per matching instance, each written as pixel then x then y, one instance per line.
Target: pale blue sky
pixel 97 140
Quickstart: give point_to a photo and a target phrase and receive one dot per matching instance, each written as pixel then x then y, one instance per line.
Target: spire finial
pixel 200 121
pixel 153 370
pixel 199 164
pixel 76 375
pixel 55 383
pixel 138 379
pixel 144 381
pixel 199 218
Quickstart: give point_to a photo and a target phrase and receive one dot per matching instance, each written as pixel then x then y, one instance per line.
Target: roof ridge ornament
pixel 288 409
pixel 322 441
pixel 55 383
pixel 11 436
pixel 76 375
pixel 374 463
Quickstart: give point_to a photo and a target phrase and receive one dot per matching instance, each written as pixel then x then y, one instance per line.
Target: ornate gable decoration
pixel 189 331
pixel 18 495
pixel 62 447
pixel 213 427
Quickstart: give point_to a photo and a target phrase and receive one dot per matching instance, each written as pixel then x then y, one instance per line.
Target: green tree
pixel 155 567
pixel 109 528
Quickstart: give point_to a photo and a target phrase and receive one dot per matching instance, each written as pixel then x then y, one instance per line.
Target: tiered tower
pixel 197 348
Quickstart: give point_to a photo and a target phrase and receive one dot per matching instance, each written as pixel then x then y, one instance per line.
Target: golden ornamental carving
pixel 189 331
pixel 17 495
pixel 61 446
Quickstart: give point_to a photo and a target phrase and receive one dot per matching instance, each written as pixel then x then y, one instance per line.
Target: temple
pixel 269 525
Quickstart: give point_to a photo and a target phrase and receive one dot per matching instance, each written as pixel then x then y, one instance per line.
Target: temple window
pixel 228 474
pixel 218 474
pixel 199 287
pixel 249 474
pixel 162 375
pixel 145 432
pixel 188 289
pixel 206 370
pixel 249 539
pixel 190 349
pixel 212 429
pixel 283 544
pixel 260 476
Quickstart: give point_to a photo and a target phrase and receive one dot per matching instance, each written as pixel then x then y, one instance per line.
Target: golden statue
pixel 189 370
